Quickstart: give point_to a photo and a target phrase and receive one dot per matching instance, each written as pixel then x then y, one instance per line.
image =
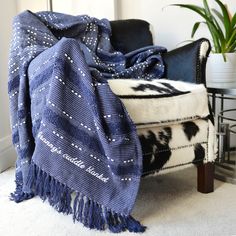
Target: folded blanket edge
pixel 83 209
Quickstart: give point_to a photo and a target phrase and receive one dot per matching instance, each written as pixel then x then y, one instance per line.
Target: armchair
pixel 175 131
pixel 73 135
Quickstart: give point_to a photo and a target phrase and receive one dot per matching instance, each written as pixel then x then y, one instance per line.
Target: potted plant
pixel 222 28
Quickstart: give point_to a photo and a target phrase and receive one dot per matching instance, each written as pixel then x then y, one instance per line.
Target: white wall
pixel 96 8
pixel 32 5
pixel 170 25
pixel 7 154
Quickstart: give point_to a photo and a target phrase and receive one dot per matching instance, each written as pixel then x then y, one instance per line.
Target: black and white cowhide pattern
pixel 190 129
pixel 170 117
pixel 163 89
pixel 161 144
pixel 155 148
pixel 161 101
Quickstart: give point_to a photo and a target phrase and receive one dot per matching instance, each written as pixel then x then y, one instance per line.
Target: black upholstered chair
pixel 178 142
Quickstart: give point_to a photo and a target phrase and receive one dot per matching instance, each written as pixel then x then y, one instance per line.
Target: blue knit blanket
pixel 76 144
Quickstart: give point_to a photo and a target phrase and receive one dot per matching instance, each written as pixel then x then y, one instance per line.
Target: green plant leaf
pixel 233 20
pixel 195 27
pixel 219 45
pixel 232 47
pixel 207 9
pixel 222 37
pixel 224 56
pixel 231 41
pixel 216 36
pixel 219 15
pixel 226 22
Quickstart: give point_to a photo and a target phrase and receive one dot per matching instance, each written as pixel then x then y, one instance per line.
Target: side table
pixel 226 128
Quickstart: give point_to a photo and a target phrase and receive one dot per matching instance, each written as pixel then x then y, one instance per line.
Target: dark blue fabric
pixel 70 131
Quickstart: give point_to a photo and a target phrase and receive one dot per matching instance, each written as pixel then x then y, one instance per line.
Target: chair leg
pixel 205 177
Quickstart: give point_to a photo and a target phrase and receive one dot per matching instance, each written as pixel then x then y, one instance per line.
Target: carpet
pixel 168 204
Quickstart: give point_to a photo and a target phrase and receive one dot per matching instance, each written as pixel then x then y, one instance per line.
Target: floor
pixel 167 204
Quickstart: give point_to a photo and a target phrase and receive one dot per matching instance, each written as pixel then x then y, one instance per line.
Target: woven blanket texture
pixel 72 134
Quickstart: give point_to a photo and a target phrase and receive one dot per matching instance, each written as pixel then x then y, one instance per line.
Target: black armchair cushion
pixel 183 63
pixel 128 35
pixel 186 64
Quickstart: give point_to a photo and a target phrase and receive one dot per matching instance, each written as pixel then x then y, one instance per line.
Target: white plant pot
pixel 219 71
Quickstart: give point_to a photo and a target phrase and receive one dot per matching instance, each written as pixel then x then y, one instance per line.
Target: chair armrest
pixel 188 63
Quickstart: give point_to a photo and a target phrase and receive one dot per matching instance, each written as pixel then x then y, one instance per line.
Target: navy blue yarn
pixel 87 212
pixel 56 65
pixel 14 83
pixel 15 137
pixel 22 113
pixel 40 79
pixel 19 196
pixel 80 209
pixel 125 170
pixel 74 131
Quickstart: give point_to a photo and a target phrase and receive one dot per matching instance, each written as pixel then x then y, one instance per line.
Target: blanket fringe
pixel 83 209
pixel 19 195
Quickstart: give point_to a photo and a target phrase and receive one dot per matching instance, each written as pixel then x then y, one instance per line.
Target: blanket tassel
pixel 84 210
pixel 93 215
pixel 19 195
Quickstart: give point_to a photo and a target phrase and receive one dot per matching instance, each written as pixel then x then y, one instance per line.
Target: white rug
pixel 169 205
